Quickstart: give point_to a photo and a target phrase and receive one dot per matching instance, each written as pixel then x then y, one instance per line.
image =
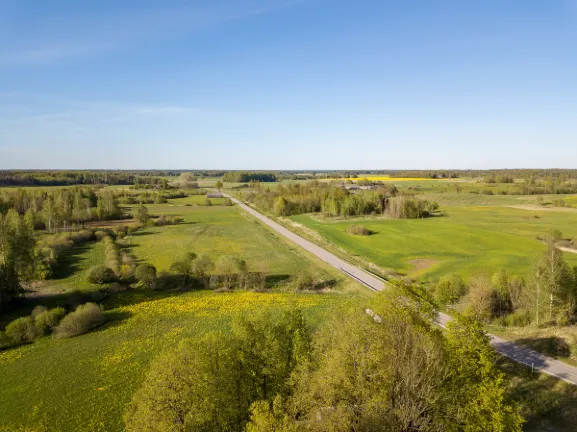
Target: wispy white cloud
pixel 120 32
pixel 42 56
pixel 30 109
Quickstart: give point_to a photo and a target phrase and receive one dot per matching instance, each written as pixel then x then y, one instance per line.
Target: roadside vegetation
pixel 118 296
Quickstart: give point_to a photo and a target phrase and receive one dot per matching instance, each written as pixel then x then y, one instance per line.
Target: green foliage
pixel 17 256
pixel 101 275
pixel 245 177
pixel 209 384
pixel 84 318
pixel 450 289
pixel 47 320
pixel 304 281
pixel 358 230
pixel 22 330
pixel 393 368
pixel 146 275
pixel 143 216
pixel 475 385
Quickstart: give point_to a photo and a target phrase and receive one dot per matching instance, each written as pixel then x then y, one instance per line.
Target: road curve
pixel 509 349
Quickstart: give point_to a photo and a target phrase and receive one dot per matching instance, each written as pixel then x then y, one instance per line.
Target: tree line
pixel 60 208
pixel 247 176
pixel 333 200
pixel 390 370
pixel 490 175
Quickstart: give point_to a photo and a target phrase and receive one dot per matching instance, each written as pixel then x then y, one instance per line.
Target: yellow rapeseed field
pixel 388 178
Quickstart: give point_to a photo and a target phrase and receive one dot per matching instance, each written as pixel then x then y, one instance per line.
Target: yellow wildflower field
pixel 100 370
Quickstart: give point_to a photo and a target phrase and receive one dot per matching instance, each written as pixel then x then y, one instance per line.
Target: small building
pixel 214 194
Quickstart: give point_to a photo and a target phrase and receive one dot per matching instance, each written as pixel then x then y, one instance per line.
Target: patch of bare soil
pixel 422 264
pixel 537 207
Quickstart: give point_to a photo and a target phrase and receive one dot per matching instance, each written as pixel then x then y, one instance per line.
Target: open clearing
pixel 466 240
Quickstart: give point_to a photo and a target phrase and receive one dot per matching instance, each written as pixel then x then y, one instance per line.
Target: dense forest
pixel 245 177
pixel 93 177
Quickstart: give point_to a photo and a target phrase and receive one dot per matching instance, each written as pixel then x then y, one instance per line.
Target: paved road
pixel 509 349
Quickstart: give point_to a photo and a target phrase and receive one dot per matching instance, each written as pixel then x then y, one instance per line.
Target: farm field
pixel 467 240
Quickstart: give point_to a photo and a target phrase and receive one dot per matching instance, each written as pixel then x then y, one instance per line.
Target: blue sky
pixel 288 84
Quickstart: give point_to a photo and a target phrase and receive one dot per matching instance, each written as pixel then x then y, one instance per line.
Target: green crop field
pixel 467 239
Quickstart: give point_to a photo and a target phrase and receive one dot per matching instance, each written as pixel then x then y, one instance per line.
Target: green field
pixel 467 239
pixel 84 383
pixel 224 230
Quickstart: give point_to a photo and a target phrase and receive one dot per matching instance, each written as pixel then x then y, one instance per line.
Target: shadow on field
pixel 141 233
pixel 136 296
pixel 547 404
pixel 552 346
pixel 113 319
pixel 70 262
pixel 68 300
pixel 272 281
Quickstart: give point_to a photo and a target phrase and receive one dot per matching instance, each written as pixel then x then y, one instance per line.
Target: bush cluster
pixel 358 230
pixel 168 220
pixel 84 318
pixel 25 329
pixel 101 275
pixel 112 256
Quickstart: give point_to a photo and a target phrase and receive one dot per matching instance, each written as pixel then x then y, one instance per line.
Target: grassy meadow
pixel 476 233
pixel 84 383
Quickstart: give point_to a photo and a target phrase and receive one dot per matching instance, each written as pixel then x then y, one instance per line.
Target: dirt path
pixel 536 207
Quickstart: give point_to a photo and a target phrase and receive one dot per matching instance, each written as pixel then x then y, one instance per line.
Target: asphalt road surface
pixel 509 349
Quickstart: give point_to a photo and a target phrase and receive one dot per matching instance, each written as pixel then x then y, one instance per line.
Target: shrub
pixel 450 289
pixel 101 275
pixel 358 230
pixel 38 310
pixel 207 202
pixel 146 275
pixel 84 318
pixel 304 281
pixel 5 341
pixel 49 319
pixel 519 318
pixel 22 330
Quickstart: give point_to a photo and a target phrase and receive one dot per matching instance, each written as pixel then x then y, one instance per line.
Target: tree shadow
pixel 141 233
pixel 113 319
pixel 272 281
pixel 70 262
pixel 551 346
